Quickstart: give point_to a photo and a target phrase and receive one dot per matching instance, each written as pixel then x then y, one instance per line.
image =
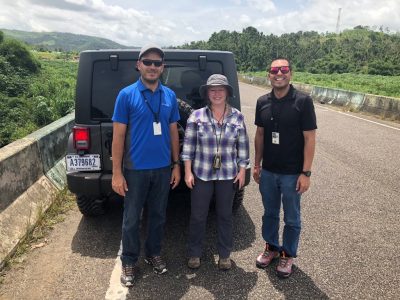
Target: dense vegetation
pixel 359 50
pixel 33 92
pixel 62 41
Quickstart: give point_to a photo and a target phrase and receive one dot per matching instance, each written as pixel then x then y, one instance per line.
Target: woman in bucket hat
pixel 215 153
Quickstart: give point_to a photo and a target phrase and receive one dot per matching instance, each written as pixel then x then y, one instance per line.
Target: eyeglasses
pixel 149 62
pixel 283 69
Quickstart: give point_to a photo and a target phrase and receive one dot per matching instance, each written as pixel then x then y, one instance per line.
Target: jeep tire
pixel 91 205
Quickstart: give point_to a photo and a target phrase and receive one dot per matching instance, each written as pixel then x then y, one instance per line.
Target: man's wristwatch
pixel 306 173
pixel 174 163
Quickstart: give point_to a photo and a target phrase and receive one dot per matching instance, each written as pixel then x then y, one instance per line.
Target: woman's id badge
pixel 157 128
pixel 275 138
pixel 217 161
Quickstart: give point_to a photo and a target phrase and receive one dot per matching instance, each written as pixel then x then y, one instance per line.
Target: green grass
pixel 363 83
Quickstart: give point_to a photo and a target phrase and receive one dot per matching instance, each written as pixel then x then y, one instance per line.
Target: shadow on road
pixel 234 284
pixel 100 236
pixel 298 286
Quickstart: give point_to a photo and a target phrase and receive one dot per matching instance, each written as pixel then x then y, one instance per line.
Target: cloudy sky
pixel 174 22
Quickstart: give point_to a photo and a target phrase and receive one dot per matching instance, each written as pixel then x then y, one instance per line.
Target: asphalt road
pixel 349 247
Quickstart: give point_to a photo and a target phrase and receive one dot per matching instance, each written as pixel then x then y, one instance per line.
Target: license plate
pixel 87 162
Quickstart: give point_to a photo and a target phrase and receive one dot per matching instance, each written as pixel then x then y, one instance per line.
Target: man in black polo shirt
pixel 285 144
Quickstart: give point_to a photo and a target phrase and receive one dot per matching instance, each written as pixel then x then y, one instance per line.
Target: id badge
pixel 275 138
pixel 157 128
pixel 217 161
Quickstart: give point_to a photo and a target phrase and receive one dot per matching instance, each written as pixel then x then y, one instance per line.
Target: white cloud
pixel 79 2
pixel 183 21
pixel 321 16
pixel 191 29
pixel 245 19
pixel 263 5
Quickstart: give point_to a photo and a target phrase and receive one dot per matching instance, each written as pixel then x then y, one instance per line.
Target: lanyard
pixel 156 115
pixel 276 115
pixel 217 139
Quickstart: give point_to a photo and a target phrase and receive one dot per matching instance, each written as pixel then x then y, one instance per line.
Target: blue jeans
pixel 149 187
pixel 276 189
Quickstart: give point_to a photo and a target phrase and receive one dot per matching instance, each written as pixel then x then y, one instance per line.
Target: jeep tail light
pixel 81 138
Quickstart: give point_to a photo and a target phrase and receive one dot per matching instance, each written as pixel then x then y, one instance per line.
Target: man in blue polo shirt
pixel 145 142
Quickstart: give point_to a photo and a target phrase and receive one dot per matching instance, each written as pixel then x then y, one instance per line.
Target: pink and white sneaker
pixel 265 258
pixel 284 267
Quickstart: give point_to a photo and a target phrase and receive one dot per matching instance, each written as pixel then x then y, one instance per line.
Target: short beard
pixel 150 81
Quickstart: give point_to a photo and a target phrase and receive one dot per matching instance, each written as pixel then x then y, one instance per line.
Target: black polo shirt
pixel 289 116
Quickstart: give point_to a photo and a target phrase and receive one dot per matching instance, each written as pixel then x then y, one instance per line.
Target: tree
pixel 359 50
pixel 19 56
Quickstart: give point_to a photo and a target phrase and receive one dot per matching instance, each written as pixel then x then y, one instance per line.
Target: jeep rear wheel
pixel 91 205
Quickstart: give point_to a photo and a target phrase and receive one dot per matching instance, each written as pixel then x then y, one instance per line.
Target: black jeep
pixel 101 75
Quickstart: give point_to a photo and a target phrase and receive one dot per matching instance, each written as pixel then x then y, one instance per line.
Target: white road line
pixel 115 290
pixel 349 115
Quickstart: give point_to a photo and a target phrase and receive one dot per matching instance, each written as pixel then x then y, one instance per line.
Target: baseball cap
pixel 151 47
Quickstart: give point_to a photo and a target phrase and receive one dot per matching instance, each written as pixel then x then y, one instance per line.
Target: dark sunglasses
pixel 283 69
pixel 149 62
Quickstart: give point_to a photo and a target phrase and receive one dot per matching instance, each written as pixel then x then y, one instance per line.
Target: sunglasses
pixel 283 69
pixel 149 62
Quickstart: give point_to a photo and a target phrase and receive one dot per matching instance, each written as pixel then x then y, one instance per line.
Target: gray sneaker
pixel 194 262
pixel 159 266
pixel 128 275
pixel 224 264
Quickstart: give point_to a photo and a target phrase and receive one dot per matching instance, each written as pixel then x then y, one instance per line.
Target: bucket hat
pixel 215 80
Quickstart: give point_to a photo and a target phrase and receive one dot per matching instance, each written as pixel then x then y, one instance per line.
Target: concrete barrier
pixel 32 169
pixel 385 107
pixel 306 88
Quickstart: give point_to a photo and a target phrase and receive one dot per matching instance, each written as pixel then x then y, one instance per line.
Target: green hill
pixel 62 41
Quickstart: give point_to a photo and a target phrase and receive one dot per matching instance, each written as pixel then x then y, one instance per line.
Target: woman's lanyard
pixel 217 157
pixel 156 115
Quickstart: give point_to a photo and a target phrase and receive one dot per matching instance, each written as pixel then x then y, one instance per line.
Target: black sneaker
pixel 128 275
pixel 159 266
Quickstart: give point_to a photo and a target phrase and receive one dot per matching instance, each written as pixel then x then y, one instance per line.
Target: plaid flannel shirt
pixel 200 144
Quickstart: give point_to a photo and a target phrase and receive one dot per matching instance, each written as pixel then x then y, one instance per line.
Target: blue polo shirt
pixel 143 149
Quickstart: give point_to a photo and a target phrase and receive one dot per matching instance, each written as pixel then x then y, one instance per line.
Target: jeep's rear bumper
pixel 89 183
pixel 95 184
